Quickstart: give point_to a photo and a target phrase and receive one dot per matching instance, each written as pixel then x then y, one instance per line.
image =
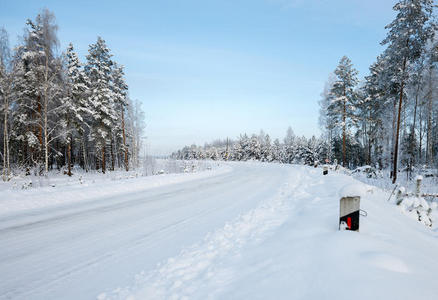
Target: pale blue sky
pixel 214 69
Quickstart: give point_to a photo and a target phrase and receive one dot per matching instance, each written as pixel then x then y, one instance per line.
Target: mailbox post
pixel 350 212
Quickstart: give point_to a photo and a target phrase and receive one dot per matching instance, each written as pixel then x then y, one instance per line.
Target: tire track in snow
pixel 200 266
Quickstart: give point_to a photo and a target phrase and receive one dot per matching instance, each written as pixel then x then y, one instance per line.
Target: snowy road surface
pixel 261 231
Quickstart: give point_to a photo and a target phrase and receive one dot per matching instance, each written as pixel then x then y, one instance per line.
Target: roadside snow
pixel 63 190
pixel 289 247
pixel 355 189
pixel 422 209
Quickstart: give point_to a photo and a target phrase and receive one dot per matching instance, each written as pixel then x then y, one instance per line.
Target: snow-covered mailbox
pixel 349 213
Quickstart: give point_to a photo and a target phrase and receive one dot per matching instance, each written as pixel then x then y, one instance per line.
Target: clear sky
pixel 207 69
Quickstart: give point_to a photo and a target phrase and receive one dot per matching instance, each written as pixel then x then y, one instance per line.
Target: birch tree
pixel 5 93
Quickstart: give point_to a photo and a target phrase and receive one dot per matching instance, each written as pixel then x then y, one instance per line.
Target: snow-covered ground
pixel 244 231
pixel 32 192
pixel 429 184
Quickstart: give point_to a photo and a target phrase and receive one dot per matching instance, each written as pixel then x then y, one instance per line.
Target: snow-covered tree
pixel 372 107
pixel 267 154
pixel 120 91
pixel 135 124
pixel 37 88
pixel 343 100
pixel 5 98
pixel 98 69
pixel 406 39
pixel 326 122
pixel 290 146
pixel 76 110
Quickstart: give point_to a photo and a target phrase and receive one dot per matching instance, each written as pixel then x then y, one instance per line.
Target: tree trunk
pixel 40 128
pixel 344 132
pixel 394 178
pixel 69 156
pixel 368 141
pixel 413 160
pixel 112 153
pixel 103 158
pixel 46 143
pixel 46 102
pixel 429 151
pixel 134 150
pixel 420 147
pixel 369 151
pixel 84 153
pixel 394 118
pixel 330 145
pixel 6 167
pixel 124 142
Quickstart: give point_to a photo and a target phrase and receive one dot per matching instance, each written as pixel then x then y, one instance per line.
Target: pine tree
pixel 26 130
pixel 98 70
pixel 406 38
pixel 120 89
pixel 372 109
pixel 76 109
pixel 431 77
pixel 343 100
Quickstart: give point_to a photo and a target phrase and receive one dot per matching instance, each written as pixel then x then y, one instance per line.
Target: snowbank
pixel 291 249
pixel 355 189
pixel 63 190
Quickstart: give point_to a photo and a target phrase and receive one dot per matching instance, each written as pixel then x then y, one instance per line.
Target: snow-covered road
pixel 261 231
pixel 80 250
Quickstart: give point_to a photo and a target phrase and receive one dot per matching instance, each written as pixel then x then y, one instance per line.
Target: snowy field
pixel 234 231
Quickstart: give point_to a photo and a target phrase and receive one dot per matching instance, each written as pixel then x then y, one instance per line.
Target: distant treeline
pixel 293 149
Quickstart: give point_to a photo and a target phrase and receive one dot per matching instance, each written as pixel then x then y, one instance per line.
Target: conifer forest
pixel 59 112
